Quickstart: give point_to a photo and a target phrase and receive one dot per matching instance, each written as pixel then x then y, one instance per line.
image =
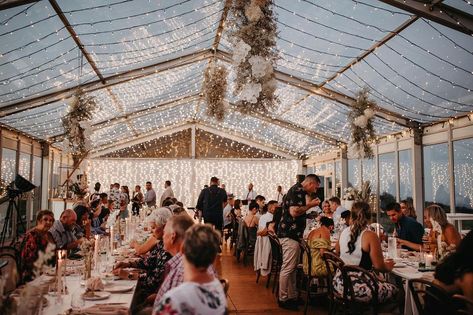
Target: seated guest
pixel 62 231
pixel 227 217
pixel 152 264
pixel 82 227
pixel 450 236
pixel 266 218
pixel 337 209
pixel 326 210
pixel 455 272
pixel 408 230
pixel 263 245
pixel 173 238
pixel 318 241
pixel 251 219
pixel 408 209
pixel 236 213
pixel 36 240
pixel 360 247
pixel 260 200
pixel 96 223
pixel 201 292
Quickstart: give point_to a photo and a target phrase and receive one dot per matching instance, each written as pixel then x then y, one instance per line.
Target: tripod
pixel 12 205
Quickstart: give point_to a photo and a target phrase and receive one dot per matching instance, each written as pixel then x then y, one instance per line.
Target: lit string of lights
pixel 24 11
pixel 442 35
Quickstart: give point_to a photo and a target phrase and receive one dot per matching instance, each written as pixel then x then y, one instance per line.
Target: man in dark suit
pixel 211 203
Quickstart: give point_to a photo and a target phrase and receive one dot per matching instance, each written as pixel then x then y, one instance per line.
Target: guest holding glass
pixel 408 230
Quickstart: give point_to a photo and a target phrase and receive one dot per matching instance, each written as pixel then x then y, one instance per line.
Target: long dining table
pixel 407 269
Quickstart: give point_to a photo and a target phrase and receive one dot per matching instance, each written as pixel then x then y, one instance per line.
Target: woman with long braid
pixel 361 247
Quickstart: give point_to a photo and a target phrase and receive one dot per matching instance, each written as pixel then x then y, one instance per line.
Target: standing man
pixel 250 194
pixel 290 230
pixel 211 201
pixel 137 200
pixel 279 195
pixel 150 195
pixel 168 193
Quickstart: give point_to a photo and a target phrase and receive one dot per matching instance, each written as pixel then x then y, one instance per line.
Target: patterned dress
pixel 34 242
pixel 153 264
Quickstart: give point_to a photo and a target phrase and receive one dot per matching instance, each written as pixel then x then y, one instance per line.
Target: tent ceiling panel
pixel 413 74
pixel 37 55
pixel 40 122
pixel 330 118
pixel 168 117
pixel 253 128
pixel 124 35
pixel 112 134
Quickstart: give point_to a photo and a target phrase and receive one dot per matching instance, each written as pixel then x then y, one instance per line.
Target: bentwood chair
pixel 11 261
pixel 332 263
pixel 351 303
pixel 276 262
pixel 429 298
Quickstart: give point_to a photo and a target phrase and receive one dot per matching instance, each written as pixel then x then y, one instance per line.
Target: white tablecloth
pixel 407 273
pixel 73 286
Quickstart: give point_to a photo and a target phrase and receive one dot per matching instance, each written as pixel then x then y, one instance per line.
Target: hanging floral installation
pixel 254 54
pixel 77 125
pixel 215 89
pixel 362 130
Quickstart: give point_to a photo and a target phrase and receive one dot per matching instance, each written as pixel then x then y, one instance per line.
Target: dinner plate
pixel 118 288
pixel 400 265
pixel 98 295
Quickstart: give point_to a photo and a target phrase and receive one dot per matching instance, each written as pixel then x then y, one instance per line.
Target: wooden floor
pixel 245 296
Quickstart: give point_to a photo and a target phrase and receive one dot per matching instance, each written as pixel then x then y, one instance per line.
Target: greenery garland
pixel 254 54
pixel 362 129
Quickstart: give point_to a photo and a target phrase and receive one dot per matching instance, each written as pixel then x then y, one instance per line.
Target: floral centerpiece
pixel 352 194
pixel 86 249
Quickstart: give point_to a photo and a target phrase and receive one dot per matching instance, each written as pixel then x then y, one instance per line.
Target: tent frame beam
pixel 221 25
pixel 76 38
pixel 370 50
pixel 329 94
pixel 288 125
pixel 136 114
pixel 438 12
pixel 110 81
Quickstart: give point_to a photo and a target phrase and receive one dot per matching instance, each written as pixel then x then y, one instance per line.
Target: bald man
pixel 62 231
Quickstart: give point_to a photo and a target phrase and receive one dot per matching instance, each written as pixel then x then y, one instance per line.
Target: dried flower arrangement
pixel 77 126
pixel 254 54
pixel 215 88
pixel 362 130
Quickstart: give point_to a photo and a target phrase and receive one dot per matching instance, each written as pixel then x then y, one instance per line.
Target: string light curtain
pixel 188 177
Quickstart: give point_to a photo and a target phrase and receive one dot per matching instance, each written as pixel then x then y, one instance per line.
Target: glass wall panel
pixel 387 187
pixel 338 178
pixel 463 171
pixel 36 179
pixel 24 167
pixel 369 172
pixel 436 179
pixel 354 173
pixel 8 165
pixel 36 176
pixel 405 174
pixel 387 178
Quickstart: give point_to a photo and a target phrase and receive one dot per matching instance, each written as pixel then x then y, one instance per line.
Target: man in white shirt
pixel 337 209
pixel 279 195
pixel 227 218
pixel 250 193
pixel 168 193
pixel 266 218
